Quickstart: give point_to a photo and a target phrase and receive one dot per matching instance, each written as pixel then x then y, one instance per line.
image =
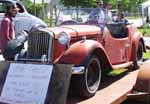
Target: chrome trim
pixel 50 47
pixel 78 70
pixel 16 57
pixel 40 36
pixel 29 59
pixel 44 58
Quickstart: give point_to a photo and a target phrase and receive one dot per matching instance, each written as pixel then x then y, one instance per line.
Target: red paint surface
pixel 119 51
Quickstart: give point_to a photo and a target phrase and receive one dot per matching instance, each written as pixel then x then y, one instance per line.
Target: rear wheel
pixel 139 56
pixel 87 84
pixel 140 52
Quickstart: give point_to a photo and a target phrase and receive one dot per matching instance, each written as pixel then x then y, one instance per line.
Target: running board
pixel 124 65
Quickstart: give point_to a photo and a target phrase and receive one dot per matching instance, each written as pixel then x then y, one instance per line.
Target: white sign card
pixel 26 84
pixel 148 8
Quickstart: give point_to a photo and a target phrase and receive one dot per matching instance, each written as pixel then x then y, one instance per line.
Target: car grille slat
pixel 39 43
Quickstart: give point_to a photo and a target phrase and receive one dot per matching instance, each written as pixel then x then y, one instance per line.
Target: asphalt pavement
pixel 147 42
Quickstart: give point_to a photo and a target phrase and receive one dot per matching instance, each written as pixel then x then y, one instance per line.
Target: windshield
pixel 78 15
pixel 4 4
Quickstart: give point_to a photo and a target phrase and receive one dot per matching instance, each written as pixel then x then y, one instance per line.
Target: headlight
pixel 63 38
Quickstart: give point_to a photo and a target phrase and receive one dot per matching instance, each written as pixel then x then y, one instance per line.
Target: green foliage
pixel 47 21
pixel 26 2
pixel 145 30
pixel 38 8
pixel 81 3
pixel 125 4
pixel 30 7
pixel 116 72
pixel 147 54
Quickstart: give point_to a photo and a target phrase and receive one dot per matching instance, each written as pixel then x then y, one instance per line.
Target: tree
pixel 43 10
pixel 26 2
pixel 85 3
pixel 126 4
pixel 81 3
pixel 32 8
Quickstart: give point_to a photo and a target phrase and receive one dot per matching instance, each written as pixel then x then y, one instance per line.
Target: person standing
pixel 108 6
pixel 99 14
pixel 7 31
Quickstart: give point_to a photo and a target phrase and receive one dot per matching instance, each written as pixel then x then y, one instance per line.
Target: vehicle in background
pixel 23 20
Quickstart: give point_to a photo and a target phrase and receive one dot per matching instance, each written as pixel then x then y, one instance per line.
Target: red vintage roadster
pixel 90 51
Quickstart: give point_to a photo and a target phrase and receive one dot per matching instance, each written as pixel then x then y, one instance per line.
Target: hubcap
pixel 93 76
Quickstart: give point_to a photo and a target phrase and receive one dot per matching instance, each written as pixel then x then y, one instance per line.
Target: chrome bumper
pixel 78 70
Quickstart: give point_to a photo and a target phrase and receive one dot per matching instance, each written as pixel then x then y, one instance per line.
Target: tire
pixel 87 84
pixel 140 52
pixel 139 56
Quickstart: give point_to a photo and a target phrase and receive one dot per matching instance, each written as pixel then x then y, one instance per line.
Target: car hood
pixel 76 30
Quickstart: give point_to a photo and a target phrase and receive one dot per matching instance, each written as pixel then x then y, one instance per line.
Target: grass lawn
pixel 145 31
pixel 147 54
pixel 116 72
pixel 120 71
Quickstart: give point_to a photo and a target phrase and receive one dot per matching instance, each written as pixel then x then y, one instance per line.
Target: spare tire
pixel 13 47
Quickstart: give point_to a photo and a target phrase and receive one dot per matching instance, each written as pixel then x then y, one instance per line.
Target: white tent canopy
pixel 145 11
pixel 145 4
pixel 144 7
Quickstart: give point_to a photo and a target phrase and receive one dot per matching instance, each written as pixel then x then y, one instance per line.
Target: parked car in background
pixel 23 20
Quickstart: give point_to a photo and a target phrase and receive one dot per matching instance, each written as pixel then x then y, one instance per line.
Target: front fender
pixel 78 51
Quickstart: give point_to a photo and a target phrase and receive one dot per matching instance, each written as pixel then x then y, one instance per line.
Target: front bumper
pixel 78 70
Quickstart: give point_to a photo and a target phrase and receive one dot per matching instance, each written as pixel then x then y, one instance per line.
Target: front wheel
pixel 87 84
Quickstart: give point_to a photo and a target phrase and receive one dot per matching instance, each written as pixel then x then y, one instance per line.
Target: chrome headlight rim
pixel 64 38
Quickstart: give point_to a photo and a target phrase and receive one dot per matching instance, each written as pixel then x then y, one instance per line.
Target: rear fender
pixel 135 41
pixel 80 51
pixel 135 38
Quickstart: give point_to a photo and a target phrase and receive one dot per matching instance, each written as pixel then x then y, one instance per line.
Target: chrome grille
pixel 39 43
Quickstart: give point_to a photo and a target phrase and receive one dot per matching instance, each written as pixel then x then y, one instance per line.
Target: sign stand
pixel 33 83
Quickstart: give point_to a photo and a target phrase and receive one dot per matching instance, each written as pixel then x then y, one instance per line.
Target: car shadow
pixel 106 81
